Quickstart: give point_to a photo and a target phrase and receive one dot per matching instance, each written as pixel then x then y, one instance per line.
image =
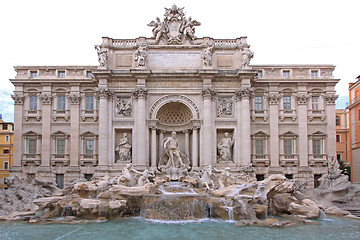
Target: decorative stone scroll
pixel 123 106
pixel 46 98
pixel 273 98
pixel 18 100
pixel 224 106
pixel 302 99
pixel 140 92
pixel 175 28
pixel 330 99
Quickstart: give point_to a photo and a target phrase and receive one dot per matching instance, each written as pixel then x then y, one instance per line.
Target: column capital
pixel 208 93
pixel 330 99
pixel 302 99
pixel 18 100
pixel 46 98
pixel 140 92
pixel 186 131
pixel 74 98
pixel 243 93
pixel 104 93
pixel 273 99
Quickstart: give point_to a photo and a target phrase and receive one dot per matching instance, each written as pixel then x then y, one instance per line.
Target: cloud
pixel 6 105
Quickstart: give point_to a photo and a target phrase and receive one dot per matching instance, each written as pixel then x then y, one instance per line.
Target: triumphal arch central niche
pixel 173 99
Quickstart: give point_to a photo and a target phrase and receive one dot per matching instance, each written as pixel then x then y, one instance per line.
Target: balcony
pixel 32 114
pixel 60 159
pixel 88 158
pixel 317 159
pixel 289 160
pixel 31 159
pixel 260 160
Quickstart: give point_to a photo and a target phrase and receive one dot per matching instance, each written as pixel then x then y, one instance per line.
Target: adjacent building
pixel 6 149
pixel 84 121
pixel 354 118
pixel 343 144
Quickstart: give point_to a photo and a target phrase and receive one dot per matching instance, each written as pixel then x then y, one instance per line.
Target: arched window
pixel 337 120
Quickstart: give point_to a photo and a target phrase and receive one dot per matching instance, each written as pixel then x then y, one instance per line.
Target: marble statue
pixel 171 146
pixel 140 55
pixel 123 107
pixel 224 148
pixel 207 178
pixel 207 55
pixel 225 178
pixel 124 148
pixel 102 56
pixel 333 168
pixel 175 28
pixel 144 178
pixel 247 56
pixel 129 176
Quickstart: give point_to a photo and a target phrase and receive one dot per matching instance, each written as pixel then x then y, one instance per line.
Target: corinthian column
pixel 75 100
pixel 245 148
pixel 140 126
pixel 207 144
pixel 330 126
pixel 18 120
pixel 103 94
pixel 273 100
pixel 302 101
pixel 46 99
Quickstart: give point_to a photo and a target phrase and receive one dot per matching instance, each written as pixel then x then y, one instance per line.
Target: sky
pixel 52 32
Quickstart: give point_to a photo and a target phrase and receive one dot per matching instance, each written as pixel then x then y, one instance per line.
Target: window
pixel 6 165
pixel 5 127
pixel 33 103
pixel 60 146
pixel 89 103
pixel 287 102
pixel 260 74
pixel 337 120
pixel 7 138
pixel 316 146
pixel 89 74
pixel 316 180
pixel 6 151
pixel 33 74
pixel 31 146
pixel 315 103
pixel 89 147
pixel 314 73
pixel 359 114
pixel 338 156
pixel 259 103
pixel 60 180
pixel 61 74
pixel 61 103
pixel 259 146
pixel 338 138
pixel 288 146
pixel 286 74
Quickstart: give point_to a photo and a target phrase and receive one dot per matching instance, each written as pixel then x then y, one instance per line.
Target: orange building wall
pixel 354 108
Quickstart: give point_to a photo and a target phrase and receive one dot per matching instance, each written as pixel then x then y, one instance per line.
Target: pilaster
pixel 46 100
pixel 18 121
pixel 75 100
pixel 273 100
pixel 302 101
pixel 331 125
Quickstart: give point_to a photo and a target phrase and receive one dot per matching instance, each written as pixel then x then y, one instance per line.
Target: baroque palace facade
pixel 84 121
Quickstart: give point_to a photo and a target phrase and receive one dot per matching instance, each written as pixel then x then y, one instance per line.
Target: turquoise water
pixel 135 228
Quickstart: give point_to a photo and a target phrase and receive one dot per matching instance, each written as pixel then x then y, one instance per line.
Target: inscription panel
pixel 123 60
pixel 174 60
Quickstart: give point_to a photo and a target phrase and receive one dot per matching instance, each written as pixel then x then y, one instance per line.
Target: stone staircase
pixel 354 210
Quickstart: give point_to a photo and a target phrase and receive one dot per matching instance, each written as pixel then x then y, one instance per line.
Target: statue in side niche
pixel 224 148
pixel 124 148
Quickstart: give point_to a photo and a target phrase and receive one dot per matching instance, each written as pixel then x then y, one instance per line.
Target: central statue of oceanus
pixel 173 160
